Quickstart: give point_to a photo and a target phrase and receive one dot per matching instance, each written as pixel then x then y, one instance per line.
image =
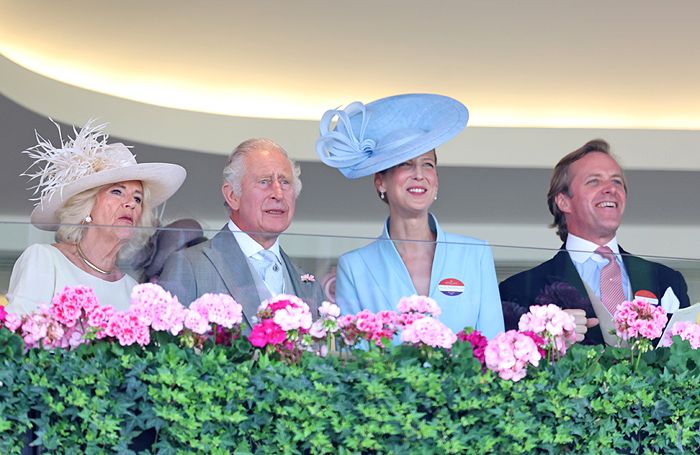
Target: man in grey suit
pixel 260 187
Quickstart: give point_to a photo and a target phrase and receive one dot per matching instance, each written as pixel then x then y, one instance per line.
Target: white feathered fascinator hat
pixel 87 161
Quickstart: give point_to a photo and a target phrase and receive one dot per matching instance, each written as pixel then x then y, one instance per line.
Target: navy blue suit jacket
pixel 521 290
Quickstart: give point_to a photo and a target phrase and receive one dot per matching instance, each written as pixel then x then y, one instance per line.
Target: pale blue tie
pixel 271 272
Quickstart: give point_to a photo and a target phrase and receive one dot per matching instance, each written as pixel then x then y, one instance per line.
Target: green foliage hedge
pixel 99 398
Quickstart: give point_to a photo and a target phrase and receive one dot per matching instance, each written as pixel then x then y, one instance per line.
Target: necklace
pixel 90 264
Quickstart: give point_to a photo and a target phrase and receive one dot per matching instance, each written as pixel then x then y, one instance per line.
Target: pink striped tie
pixel 611 291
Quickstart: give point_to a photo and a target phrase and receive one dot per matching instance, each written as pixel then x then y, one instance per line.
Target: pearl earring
pixel 88 219
pixel 382 195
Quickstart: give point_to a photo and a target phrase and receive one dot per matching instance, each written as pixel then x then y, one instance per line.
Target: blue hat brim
pixel 389 131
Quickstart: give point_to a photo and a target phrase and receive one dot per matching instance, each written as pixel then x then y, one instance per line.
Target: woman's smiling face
pixel 412 185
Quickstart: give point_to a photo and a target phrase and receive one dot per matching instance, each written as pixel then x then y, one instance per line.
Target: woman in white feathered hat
pixel 95 196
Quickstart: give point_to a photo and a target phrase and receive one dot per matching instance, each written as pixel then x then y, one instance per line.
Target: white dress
pixel 42 271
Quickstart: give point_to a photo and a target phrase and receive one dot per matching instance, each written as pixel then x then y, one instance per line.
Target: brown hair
pixel 561 181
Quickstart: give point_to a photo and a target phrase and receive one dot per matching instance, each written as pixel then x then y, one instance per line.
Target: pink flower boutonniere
pixel 308 278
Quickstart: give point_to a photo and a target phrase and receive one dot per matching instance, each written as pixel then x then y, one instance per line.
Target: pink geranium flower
pixel 510 353
pixel 13 321
pixel 329 309
pixel 266 333
pixel 686 330
pixel 285 321
pixel 128 329
pixel 157 308
pixel 68 305
pixel 220 309
pixel 69 321
pixel 293 317
pixel 196 322
pixel 419 304
pixel 554 325
pixel 639 319
pixel 430 332
pixel 478 342
pixel 322 329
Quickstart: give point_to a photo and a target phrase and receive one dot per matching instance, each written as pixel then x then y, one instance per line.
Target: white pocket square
pixel 669 302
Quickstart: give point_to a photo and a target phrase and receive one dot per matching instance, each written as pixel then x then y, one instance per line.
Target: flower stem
pixel 639 357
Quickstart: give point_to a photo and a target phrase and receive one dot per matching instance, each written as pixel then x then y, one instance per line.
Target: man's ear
pixel 230 197
pixel 563 202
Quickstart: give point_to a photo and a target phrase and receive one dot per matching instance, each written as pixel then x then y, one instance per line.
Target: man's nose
pixel 276 189
pixel 610 187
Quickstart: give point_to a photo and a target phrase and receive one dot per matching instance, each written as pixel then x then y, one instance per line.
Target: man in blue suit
pixel 587 198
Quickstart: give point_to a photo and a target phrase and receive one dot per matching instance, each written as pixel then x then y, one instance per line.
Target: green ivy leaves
pixel 103 398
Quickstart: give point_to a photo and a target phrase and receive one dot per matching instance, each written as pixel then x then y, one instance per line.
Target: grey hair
pixel 78 207
pixel 235 168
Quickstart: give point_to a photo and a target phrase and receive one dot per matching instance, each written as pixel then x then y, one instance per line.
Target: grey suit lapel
pixel 228 259
pixel 294 276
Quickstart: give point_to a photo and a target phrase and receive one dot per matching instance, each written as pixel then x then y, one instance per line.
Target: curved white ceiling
pixel 595 64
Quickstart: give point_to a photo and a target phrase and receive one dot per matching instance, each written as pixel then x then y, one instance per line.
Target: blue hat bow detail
pixel 340 147
pixel 370 138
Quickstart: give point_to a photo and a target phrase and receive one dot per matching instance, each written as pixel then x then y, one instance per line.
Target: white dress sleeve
pixel 33 280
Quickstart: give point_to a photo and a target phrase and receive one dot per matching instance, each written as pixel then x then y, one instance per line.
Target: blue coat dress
pixel 463 281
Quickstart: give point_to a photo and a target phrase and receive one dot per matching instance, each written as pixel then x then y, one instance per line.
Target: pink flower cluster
pixel 328 321
pixel 415 307
pixel 686 330
pixel 478 342
pixel 323 329
pixel 127 329
pixel 429 331
pixel 418 319
pixel 365 325
pixel 557 327
pixel 73 318
pixel 219 309
pixel 76 317
pixel 284 320
pixel 3 315
pixel 158 309
pixel 637 318
pixel 510 353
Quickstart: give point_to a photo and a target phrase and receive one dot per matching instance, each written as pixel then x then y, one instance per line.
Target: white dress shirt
pixel 588 263
pixel 252 249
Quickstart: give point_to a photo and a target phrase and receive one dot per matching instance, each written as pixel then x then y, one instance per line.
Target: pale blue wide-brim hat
pixel 371 138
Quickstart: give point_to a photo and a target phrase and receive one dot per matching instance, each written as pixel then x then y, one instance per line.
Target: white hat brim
pixel 161 179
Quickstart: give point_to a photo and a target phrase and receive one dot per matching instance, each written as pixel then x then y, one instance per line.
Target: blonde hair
pixel 73 213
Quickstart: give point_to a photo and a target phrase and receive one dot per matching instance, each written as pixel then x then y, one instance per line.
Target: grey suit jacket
pixel 219 266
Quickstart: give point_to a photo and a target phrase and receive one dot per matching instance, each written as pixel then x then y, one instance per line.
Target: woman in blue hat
pixel 394 139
